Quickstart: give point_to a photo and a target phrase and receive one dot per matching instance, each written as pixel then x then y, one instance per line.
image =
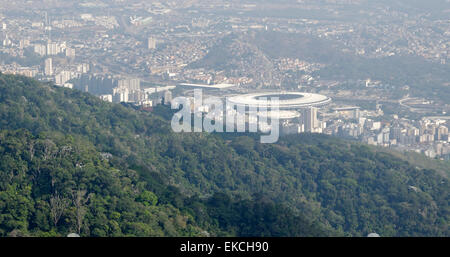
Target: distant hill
pixel 256 51
pixel 72 163
pixel 238 48
pixel 234 52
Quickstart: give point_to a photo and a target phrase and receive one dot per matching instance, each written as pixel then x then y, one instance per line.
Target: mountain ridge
pixel 328 186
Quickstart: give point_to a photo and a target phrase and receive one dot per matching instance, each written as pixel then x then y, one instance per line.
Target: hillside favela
pixel 90 91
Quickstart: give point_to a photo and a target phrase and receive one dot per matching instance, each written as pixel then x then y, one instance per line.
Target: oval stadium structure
pixel 287 100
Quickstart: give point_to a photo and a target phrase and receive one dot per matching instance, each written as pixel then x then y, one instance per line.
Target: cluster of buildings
pixel 49 54
pixel 306 121
pixel 427 136
pixel 62 75
pixel 130 91
pixel 120 59
pixel 54 48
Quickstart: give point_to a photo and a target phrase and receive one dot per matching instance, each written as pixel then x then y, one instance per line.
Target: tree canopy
pixel 70 162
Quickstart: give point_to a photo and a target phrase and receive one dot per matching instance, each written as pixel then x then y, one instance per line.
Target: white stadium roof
pixel 303 100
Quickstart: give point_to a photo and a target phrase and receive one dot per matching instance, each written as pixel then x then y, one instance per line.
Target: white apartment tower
pixel 151 43
pixel 53 49
pixel 48 70
pixel 310 121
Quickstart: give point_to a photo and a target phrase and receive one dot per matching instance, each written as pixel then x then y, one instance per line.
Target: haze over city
pixel 93 92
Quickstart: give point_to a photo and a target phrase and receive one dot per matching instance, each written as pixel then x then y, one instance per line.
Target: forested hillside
pixel 72 163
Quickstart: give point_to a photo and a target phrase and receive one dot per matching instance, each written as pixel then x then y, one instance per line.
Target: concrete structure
pixel 350 112
pixel 310 121
pixel 291 104
pixel 151 43
pixel 63 77
pixel 107 98
pixel 130 84
pixel 48 70
pixel 287 100
pixel 53 49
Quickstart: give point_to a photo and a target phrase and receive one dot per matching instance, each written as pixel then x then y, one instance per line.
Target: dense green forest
pixel 72 163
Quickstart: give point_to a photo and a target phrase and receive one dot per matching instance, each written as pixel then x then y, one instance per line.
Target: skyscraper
pixel 53 49
pixel 48 67
pixel 395 133
pixel 63 77
pixel 151 43
pixel 120 94
pixel 310 120
pixel 441 133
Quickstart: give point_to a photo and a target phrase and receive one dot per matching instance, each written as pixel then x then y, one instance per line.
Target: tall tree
pixel 79 199
pixel 58 205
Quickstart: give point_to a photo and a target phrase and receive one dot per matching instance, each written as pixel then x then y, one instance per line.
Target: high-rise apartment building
pixel 151 43
pixel 48 70
pixel 310 121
